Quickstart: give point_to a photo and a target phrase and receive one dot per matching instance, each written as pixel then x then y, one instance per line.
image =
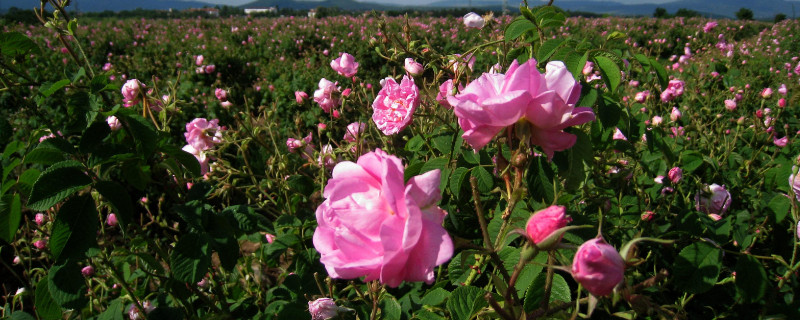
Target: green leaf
pixel 66 285
pixel 75 229
pixel 435 297
pixel 46 308
pixel 610 70
pixel 691 161
pixel 548 48
pixel 751 279
pixel 15 44
pixel 459 267
pixel 697 267
pixel 191 258
pixel 47 89
pixel 559 291
pixel 22 315
pixel 281 243
pixel 433 164
pixel 458 180
pixel 143 131
pixel 119 198
pixel 616 35
pixel 301 184
pixel 187 160
pixel 10 216
pixel 484 179
pixel 390 309
pixel 517 28
pixel 540 180
pixel 242 217
pixel 465 302
pixel 44 154
pixel 26 180
pixel 423 314
pixel 780 206
pixel 415 144
pixel 660 72
pixel 114 310
pixel 93 136
pixel 56 183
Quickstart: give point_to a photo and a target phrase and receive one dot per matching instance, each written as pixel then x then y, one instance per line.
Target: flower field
pixel 533 166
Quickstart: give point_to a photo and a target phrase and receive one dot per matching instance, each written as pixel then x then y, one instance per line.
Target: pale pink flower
pixel 641 96
pixel 326 157
pixel 40 218
pixel 588 68
pixel 326 95
pixel 766 93
pixel 111 220
pixel 202 134
pixel 345 65
pixel 198 60
pixel 782 89
pixel 546 221
pixel 618 135
pixel 113 123
pixel 446 96
pixel 132 92
pixel 323 309
pixel 473 20
pixel 210 68
pixel 200 156
pixel 657 120
pixel 675 114
pixel 709 26
pixel 374 225
pixel 713 199
pixel 17 260
pixel 782 142
pixel 412 67
pixel 300 96
pixel 269 237
pixel 353 131
pixel 221 94
pixel 730 104
pixel 395 104
pixel 598 267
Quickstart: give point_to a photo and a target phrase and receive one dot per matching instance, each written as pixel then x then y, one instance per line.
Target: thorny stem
pixel 479 210
pixel 496 306
pixel 548 284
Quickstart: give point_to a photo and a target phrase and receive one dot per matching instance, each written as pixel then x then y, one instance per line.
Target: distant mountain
pixel 113 5
pixel 305 5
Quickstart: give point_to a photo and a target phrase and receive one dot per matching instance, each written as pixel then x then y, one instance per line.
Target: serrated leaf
pixel 143 132
pixel 517 28
pixel 22 315
pixel 242 217
pixel 47 89
pixel 75 228
pixel 56 183
pixel 46 307
pixel 114 311
pixel 390 309
pixel 465 302
pixel 15 44
pixel 433 164
pixel 484 179
pixel 751 279
pixel 559 291
pixel 301 184
pixel 660 72
pixel 610 70
pixel 697 267
pixel 10 216
pixel 780 206
pixel 187 160
pixel 45 155
pixel 93 136
pixel 540 180
pixel 191 258
pixel 66 285
pixel 435 297
pixel 548 48
pixel 457 180
pixel 119 198
pixel 415 144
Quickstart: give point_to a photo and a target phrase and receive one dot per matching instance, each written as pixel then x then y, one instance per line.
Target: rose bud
pixel 544 223
pixel 598 267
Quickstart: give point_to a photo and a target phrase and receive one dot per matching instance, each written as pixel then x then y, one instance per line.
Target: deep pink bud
pixel 111 220
pixel 270 238
pixel 300 96
pixel 598 267
pixel 544 222
pixel 87 271
pixel 675 174
pixel 40 219
pixel 40 244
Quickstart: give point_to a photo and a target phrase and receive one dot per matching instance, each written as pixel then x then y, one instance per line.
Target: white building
pixel 260 10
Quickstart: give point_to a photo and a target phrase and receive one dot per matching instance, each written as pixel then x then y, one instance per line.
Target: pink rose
pixel 372 225
pixel 782 142
pixel 202 134
pixel 641 96
pixel 87 271
pixel 210 68
pixel 323 309
pixel 326 157
pixel 326 95
pixel 675 174
pixel 782 89
pixel 270 237
pixel 40 244
pixel 715 199
pixel 300 96
pixel 221 94
pixel 40 218
pixel 445 97
pixel 794 183
pixel 353 131
pixel 412 67
pixel 766 93
pixel 198 60
pixel 111 220
pixel 473 20
pixel 618 135
pixel 345 65
pixel 200 155
pixel 587 68
pixel 132 91
pixel 709 26
pixel 395 104
pixel 730 104
pixel 598 267
pixel 546 221
pixel 113 123
pixel 675 114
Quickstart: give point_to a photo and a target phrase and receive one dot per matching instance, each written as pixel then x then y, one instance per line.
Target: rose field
pixel 531 166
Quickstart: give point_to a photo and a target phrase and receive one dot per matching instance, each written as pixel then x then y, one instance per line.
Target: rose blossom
pixel 87 271
pixel 675 114
pixel 269 237
pixel 131 92
pixel 469 60
pixel 641 96
pixel 766 93
pixel 325 95
pixel 40 244
pixel 353 131
pixel 113 123
pixel 473 20
pixel 373 225
pixel 675 174
pixel 40 218
pixel 221 94
pixel 709 26
pixel 200 155
pixel 324 308
pixel 202 134
pixel 395 104
pixel 345 65
pixel 111 220
pixel 730 104
pixel 718 203
pixel 598 267
pixel 326 157
pixel 782 142
pixel 412 67
pixel 300 96
pixel 445 97
pixel 546 221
